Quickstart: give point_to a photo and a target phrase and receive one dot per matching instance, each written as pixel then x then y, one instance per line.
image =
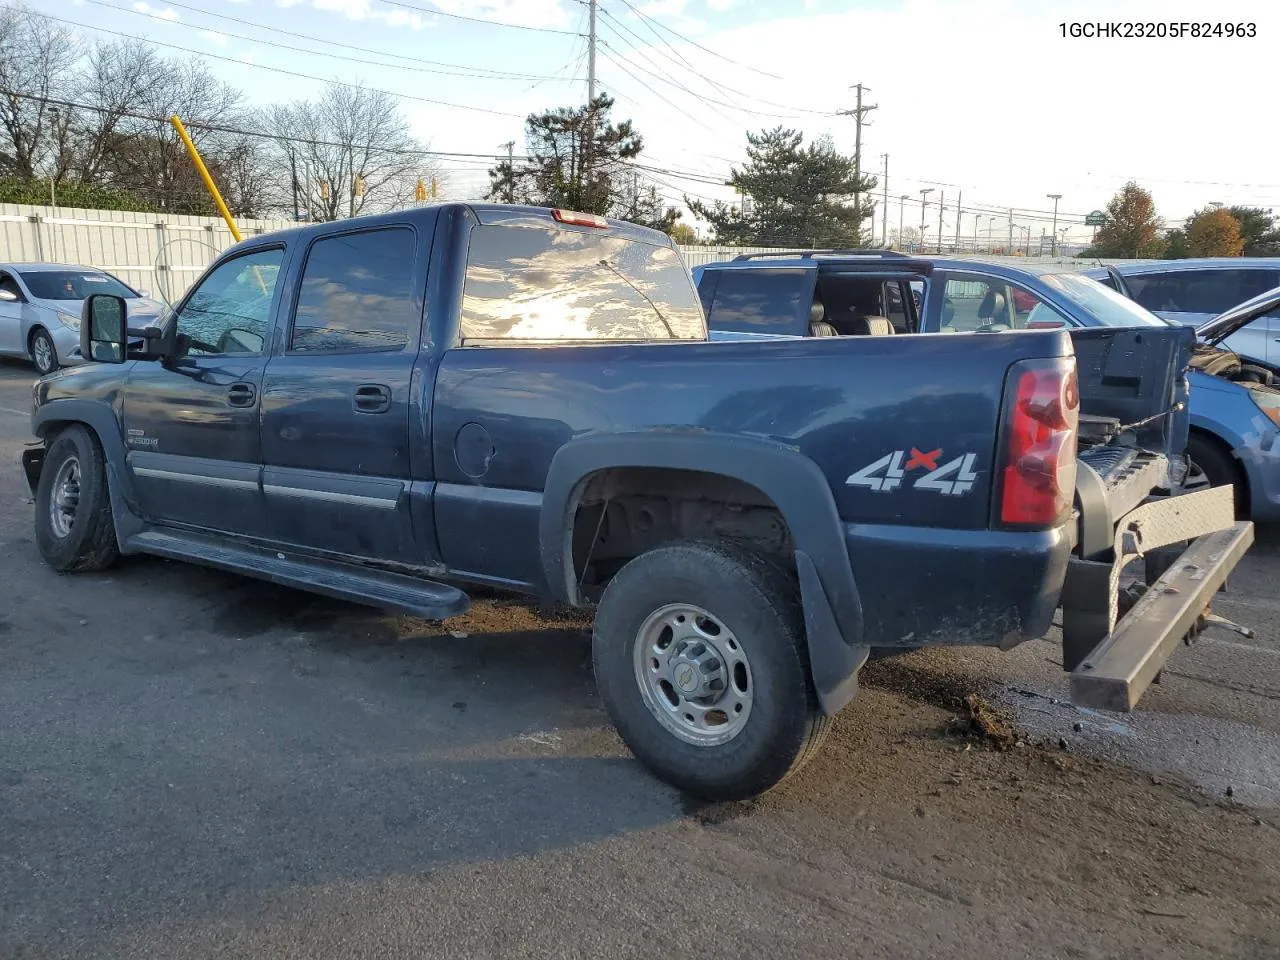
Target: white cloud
pixel 720 6
pixel 216 38
pixel 664 8
pixel 166 13
pixel 555 14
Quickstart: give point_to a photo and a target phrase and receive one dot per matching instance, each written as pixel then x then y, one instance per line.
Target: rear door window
pixel 1199 291
pixel 991 305
pixel 763 300
pixel 357 293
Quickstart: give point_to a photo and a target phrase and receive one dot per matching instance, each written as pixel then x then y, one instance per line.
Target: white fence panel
pixel 165 253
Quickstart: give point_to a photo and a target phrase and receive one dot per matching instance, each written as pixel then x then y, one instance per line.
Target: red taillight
pixel 1040 453
pixel 579 219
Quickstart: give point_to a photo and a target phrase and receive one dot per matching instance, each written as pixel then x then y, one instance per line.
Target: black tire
pixel 759 606
pixel 1218 467
pixel 44 355
pixel 89 542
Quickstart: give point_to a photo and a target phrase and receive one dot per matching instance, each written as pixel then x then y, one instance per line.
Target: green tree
pixel 1257 230
pixel 799 195
pixel 578 159
pixel 1176 245
pixel 1214 232
pixel 1132 228
pixel 683 234
pixel 71 194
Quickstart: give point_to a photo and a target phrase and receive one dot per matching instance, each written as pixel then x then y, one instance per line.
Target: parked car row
pixel 40 310
pixel 390 409
pixel 1234 407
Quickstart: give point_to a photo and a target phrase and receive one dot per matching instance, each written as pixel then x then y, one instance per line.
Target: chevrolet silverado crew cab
pixel 389 409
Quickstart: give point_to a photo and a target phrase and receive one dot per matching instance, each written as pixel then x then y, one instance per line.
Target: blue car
pixel 1234 407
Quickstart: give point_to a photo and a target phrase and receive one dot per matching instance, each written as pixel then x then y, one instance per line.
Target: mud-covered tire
pixel 759 607
pixel 86 540
pixel 44 354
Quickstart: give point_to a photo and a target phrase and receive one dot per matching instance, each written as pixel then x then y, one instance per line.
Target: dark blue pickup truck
pixel 391 408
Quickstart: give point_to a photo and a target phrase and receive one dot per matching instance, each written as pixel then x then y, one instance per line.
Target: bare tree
pixel 144 155
pixel 349 152
pixel 37 57
pixel 113 81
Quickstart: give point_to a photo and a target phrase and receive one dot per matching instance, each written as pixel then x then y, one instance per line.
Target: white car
pixel 40 310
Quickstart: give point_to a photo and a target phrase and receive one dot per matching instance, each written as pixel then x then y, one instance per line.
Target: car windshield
pixel 72 284
pixel 1101 302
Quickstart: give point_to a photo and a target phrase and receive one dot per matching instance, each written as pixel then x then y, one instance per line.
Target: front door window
pixel 229 311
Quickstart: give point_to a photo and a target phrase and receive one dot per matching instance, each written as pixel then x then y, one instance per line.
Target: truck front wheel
pixel 74 529
pixel 700 659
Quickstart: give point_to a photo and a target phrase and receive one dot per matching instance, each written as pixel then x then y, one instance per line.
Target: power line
pixel 703 97
pixel 683 39
pixel 315 53
pixel 244 132
pixel 314 39
pixel 623 68
pixel 710 104
pixel 723 88
pixel 281 70
pixel 431 11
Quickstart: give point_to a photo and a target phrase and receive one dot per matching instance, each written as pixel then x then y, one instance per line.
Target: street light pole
pixel 1055 197
pixel 902 205
pixel 924 203
pixel 976 218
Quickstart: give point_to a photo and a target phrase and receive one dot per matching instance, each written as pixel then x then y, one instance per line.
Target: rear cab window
pixel 532 283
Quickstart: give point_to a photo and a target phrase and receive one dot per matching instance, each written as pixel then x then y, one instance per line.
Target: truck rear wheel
pixel 74 528
pixel 700 659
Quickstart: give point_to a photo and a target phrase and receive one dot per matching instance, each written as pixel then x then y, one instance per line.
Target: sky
pixel 984 102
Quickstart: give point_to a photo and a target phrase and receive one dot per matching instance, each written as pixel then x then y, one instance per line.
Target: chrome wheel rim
pixel 64 499
pixel 693 674
pixel 42 353
pixel 1196 478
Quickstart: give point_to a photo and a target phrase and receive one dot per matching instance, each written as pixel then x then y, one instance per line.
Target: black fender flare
pixel 832 606
pixel 101 419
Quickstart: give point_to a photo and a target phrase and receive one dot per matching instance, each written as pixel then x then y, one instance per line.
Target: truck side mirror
pixel 103 334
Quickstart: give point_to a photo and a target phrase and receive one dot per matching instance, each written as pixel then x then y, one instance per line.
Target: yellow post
pixel 204 175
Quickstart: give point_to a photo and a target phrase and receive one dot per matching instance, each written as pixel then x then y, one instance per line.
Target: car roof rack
pixel 810 254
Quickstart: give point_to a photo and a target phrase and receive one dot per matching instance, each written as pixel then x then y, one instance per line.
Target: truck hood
pixel 1228 322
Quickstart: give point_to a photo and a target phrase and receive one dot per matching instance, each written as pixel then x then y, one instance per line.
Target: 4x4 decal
pixel 952 479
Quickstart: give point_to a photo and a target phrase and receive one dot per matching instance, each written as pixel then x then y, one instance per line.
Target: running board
pixel 391 591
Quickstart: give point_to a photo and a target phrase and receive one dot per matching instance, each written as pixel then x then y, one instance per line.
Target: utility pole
pixel 884 204
pixel 511 170
pixel 1010 248
pixel 959 197
pixel 1053 243
pixel 858 113
pixel 942 204
pixel 591 53
pixel 924 202
pixel 902 205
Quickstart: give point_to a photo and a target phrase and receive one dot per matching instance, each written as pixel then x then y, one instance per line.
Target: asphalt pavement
pixel 193 764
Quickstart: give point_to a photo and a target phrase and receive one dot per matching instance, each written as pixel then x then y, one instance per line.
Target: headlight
pixel 68 320
pixel 1268 401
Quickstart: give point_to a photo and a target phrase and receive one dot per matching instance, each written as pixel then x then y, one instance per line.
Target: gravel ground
pixel 197 765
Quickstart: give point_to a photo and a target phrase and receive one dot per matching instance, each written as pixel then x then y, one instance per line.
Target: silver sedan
pixel 40 310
